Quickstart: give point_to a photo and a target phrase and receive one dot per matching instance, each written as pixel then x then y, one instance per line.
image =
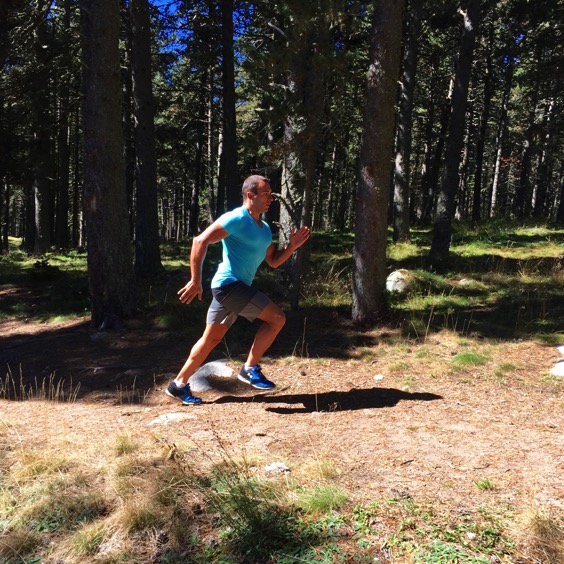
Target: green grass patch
pixel 470 358
pixel 484 484
pixel 321 499
pixel 502 280
pixel 551 339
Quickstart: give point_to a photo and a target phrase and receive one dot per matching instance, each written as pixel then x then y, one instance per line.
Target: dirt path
pixel 391 418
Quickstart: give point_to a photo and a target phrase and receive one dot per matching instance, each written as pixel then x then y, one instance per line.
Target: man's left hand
pixel 299 237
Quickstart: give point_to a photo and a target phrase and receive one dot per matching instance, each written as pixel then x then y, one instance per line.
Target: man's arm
pixel 275 257
pixel 214 233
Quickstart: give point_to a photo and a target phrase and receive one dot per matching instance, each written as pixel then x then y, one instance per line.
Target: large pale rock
pixel 398 280
pixel 199 381
pixel 558 369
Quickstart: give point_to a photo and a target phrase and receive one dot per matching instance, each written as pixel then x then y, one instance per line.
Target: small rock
pixel 379 377
pixel 277 468
pixel 170 418
pixel 558 370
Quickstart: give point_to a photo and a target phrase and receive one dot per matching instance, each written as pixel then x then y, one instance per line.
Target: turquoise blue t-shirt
pixel 243 250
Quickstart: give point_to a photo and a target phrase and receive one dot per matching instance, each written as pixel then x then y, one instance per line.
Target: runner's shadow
pixel 370 398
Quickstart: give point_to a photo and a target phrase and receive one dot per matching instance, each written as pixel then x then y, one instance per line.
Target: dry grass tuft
pixel 16 543
pixel 320 469
pixel 32 464
pixel 542 536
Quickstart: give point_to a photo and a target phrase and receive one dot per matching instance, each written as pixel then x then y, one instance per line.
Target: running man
pixel 246 241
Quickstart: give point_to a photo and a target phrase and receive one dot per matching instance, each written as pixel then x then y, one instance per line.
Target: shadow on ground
pixel 370 398
pixel 125 366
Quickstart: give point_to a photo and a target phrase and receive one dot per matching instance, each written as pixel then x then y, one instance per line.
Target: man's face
pixel 263 198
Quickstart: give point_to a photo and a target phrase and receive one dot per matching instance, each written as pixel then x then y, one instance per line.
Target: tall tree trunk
pixel 77 199
pixel 28 242
pixel 301 142
pixel 523 195
pixel 405 125
pixel 542 176
pixel 560 212
pixel 62 215
pixel 198 181
pixel 63 186
pixel 461 208
pixel 295 186
pixel 497 190
pixel 228 176
pixel 482 135
pixel 442 229
pixel 4 186
pixel 212 199
pixel 6 217
pixel 41 142
pixel 430 179
pixel 147 250
pixel 110 269
pixel 128 116
pixel 369 256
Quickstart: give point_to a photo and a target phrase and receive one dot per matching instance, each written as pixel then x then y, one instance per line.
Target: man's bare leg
pixel 273 320
pixel 213 334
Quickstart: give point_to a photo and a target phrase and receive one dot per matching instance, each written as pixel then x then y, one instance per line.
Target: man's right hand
pixel 189 292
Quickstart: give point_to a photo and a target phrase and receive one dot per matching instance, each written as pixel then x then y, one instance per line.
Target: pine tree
pixel 110 269
pixel 369 258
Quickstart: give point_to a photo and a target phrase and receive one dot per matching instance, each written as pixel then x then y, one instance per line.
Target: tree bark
pixel 482 135
pixel 430 178
pixel 560 211
pixel 110 269
pixel 41 142
pixel 62 211
pixel 228 175
pixel 497 190
pixel 442 229
pixel 301 142
pixel 542 181
pixel 405 125
pixel 369 256
pixel 198 182
pixel 147 249
pixel 4 141
pixel 5 210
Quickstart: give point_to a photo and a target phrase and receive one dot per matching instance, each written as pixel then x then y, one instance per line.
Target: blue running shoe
pixel 183 394
pixel 255 378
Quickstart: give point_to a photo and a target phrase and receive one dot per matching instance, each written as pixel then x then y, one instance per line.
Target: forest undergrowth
pixel 433 438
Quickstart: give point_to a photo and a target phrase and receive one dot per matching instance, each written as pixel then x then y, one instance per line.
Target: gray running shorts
pixel 235 299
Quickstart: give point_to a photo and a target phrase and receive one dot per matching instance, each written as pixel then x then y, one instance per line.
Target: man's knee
pixel 278 319
pixel 209 340
pixel 213 340
pixel 273 316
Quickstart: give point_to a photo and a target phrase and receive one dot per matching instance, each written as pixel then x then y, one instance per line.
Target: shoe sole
pixel 181 400
pixel 243 379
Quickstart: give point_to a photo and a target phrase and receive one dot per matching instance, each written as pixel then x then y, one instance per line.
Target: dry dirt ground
pixel 393 418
